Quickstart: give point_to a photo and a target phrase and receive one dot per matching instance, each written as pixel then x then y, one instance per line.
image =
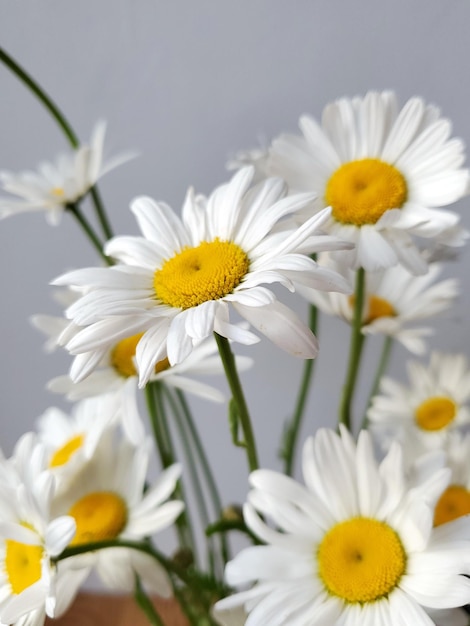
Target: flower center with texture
pixel 376 307
pixel 435 413
pixel 454 503
pixel 63 454
pixel 360 192
pixel 100 516
pixel 209 271
pixel 22 564
pixel 361 560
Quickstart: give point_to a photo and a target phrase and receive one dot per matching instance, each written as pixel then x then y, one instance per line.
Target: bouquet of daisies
pixel 352 214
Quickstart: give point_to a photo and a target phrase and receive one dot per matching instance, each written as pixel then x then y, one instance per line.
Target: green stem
pixel 204 464
pixel 74 209
pixel 101 213
pixel 192 468
pixel 146 604
pixel 167 456
pixel 293 428
pixel 42 96
pixel 233 379
pixel 355 351
pixel 384 359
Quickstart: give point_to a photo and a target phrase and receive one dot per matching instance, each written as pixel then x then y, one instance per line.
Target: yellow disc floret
pixel 122 356
pixel 454 503
pixel 376 307
pixel 100 516
pixel 360 192
pixel 361 560
pixel 435 413
pixel 206 272
pixel 22 564
pixel 65 452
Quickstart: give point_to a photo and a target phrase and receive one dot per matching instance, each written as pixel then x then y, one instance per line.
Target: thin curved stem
pixel 146 604
pixel 74 209
pixel 39 92
pixel 293 428
pixel 236 388
pixel 381 369
pixel 101 213
pixel 355 351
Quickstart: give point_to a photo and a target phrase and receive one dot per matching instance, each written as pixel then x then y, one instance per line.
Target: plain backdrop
pixel 187 84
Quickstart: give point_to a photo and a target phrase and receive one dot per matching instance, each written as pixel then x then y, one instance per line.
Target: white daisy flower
pixel 57 184
pixel 30 537
pixel 394 301
pixel 108 502
pixel 175 284
pixel 70 441
pixel 422 415
pixel 384 172
pixel 455 500
pixel 355 546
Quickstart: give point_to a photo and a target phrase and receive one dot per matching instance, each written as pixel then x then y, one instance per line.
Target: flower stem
pixel 146 604
pixel 74 209
pixel 236 388
pixel 167 457
pixel 101 213
pixel 204 463
pixel 42 96
pixel 293 428
pixel 384 359
pixel 355 351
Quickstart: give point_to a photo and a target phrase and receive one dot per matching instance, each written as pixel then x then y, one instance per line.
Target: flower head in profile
pixel 55 185
pixel 422 415
pixel 395 301
pixel 354 546
pixel 107 502
pixel 30 538
pixel 385 173
pixel 176 283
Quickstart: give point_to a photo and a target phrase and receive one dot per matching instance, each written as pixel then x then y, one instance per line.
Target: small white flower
pixel 108 502
pixel 384 172
pixel 355 546
pixel 422 415
pixel 176 283
pixel 30 537
pixel 57 184
pixel 395 301
pixel 70 441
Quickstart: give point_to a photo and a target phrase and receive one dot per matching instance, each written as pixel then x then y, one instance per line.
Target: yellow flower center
pixel 360 192
pixel 435 413
pixel 162 365
pixel 99 516
pixel 376 307
pixel 454 503
pixel 58 192
pixel 209 271
pixel 361 560
pixel 22 564
pixel 63 454
pixel 122 356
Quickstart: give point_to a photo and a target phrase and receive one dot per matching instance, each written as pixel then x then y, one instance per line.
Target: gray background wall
pixel 187 84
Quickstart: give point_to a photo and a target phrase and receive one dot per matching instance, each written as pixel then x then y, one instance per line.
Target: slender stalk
pixel 355 351
pixel 146 604
pixel 101 213
pixel 193 470
pixel 293 428
pixel 381 369
pixel 167 457
pixel 74 209
pixel 236 388
pixel 204 464
pixel 39 92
